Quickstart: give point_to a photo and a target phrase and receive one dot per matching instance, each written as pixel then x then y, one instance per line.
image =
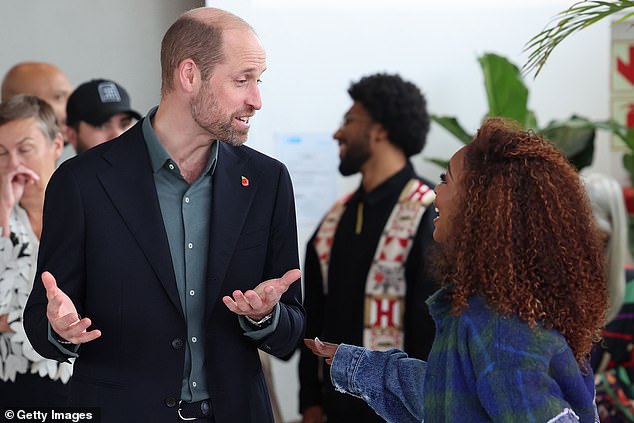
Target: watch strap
pixel 263 322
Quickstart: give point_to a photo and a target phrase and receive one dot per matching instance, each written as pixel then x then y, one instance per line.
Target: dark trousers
pixel 31 390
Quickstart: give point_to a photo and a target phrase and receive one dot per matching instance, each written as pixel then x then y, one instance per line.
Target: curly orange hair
pixel 525 237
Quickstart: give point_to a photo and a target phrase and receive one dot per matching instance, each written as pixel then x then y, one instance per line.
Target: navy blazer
pixel 104 241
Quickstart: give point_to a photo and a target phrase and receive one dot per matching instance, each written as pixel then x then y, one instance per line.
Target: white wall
pixel 316 48
pixel 114 39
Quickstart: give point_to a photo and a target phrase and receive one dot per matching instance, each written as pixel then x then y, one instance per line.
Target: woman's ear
pixel 58 145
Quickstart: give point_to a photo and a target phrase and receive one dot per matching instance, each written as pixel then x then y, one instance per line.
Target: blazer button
pixel 170 402
pixel 177 343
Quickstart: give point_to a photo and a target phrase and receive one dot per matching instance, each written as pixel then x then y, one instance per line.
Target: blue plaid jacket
pixel 483 367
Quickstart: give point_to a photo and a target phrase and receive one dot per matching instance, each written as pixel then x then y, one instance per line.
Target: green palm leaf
pixel 580 15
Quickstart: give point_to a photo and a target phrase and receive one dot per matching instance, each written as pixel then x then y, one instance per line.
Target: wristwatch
pixel 262 323
pixel 61 340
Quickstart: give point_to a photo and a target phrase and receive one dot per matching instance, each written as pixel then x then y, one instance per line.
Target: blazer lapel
pixel 129 183
pixel 234 187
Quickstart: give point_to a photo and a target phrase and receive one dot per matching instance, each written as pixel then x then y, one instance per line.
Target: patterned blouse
pixel 18 260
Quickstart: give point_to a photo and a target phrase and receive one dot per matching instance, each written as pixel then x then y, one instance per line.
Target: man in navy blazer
pixel 146 236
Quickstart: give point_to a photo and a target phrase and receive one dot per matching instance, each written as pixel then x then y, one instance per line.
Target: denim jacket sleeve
pixel 388 381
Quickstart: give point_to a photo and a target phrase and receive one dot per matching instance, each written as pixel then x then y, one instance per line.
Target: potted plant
pixel 579 16
pixel 507 96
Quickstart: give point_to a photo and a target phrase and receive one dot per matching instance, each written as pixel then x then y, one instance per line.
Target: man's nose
pixel 255 99
pixel 337 134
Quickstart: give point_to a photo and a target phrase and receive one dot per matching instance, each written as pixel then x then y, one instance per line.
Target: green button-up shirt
pixel 186 211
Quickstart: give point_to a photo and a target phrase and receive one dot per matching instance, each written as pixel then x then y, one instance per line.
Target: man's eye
pixel 443 178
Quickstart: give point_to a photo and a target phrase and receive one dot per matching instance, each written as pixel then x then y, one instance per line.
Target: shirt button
pixel 187 199
pixel 192 292
pixel 171 166
pixel 190 245
pixel 194 339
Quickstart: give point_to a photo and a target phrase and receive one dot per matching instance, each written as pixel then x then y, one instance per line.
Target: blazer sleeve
pixel 61 253
pixel 283 255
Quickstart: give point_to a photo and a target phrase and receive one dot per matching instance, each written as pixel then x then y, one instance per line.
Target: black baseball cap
pixel 97 101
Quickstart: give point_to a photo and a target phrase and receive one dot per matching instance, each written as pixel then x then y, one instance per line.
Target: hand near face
pixel 62 314
pixel 4 323
pixel 322 349
pixel 12 184
pixel 260 301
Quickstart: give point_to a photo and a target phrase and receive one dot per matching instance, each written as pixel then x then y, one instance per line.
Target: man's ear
pixel 379 133
pixel 71 136
pixel 188 75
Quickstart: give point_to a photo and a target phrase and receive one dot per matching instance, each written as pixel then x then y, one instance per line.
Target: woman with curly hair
pixel 523 296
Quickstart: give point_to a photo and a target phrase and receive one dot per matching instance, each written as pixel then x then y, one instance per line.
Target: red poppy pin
pixel 245 182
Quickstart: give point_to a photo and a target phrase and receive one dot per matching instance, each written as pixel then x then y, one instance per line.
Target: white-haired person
pixel 612 360
pixel 608 207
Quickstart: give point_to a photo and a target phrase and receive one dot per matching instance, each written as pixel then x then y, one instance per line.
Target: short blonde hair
pixel 196 35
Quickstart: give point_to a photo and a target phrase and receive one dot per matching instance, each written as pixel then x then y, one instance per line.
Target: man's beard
pixel 355 156
pixel 81 146
pixel 206 113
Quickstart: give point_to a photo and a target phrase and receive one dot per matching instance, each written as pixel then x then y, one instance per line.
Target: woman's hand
pixel 322 349
pixel 12 184
pixel 4 323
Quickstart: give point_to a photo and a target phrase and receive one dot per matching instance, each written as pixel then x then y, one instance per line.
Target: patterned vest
pixel 385 286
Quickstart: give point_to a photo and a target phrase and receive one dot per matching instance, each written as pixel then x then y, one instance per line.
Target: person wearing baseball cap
pixel 98 111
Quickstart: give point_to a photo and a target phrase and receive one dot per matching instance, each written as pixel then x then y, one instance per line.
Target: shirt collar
pixel 159 156
pixel 439 303
pixel 388 187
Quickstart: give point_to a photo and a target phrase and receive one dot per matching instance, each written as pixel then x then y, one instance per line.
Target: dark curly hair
pixel 396 104
pixel 525 238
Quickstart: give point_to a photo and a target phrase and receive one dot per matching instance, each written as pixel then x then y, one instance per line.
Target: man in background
pixel 43 80
pixel 365 275
pixel 96 112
